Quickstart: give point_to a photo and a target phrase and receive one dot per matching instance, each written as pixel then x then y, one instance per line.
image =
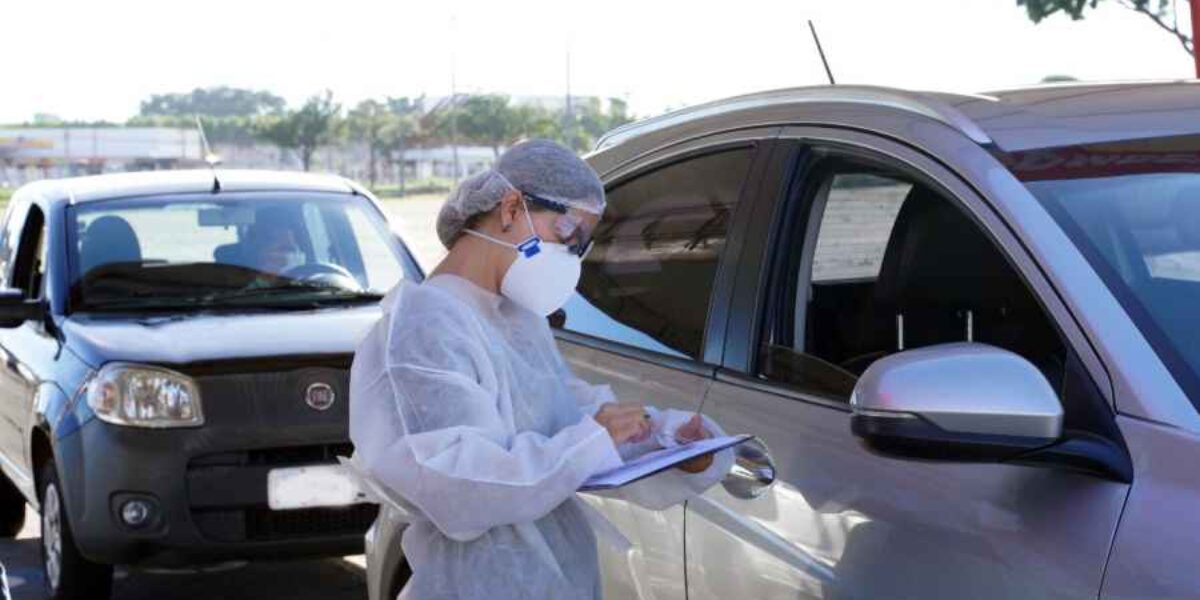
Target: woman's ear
pixel 510 209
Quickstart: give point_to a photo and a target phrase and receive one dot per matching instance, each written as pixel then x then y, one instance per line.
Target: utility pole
pixel 454 97
pixel 1196 35
pixel 568 116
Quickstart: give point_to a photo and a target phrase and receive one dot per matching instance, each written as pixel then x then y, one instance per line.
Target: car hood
pixel 204 337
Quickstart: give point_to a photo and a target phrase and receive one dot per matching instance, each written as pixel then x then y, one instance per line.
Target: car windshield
pixel 1134 209
pixel 250 250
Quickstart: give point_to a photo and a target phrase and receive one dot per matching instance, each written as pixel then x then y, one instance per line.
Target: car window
pixel 1138 223
pixel 14 220
pixel 252 249
pixel 648 280
pixel 381 270
pixel 29 255
pixel 855 225
pixel 896 265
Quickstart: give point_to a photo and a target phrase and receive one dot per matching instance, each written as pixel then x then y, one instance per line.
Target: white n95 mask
pixel 543 276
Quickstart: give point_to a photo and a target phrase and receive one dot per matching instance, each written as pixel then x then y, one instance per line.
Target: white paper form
pixel 659 460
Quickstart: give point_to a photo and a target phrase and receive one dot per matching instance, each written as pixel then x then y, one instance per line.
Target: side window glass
pixel 14 218
pixel 648 280
pixel 895 266
pixel 28 267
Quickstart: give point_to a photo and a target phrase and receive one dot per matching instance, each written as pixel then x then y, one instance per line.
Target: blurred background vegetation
pixel 386 127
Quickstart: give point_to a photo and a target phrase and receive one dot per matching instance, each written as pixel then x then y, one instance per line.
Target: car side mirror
pixel 958 402
pixel 15 309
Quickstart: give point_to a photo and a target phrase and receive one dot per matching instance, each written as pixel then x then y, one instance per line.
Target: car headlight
pixel 144 396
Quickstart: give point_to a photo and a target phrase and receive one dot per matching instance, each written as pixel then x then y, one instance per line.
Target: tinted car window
pixel 14 220
pixel 896 266
pixel 648 280
pixel 29 260
pixel 1133 208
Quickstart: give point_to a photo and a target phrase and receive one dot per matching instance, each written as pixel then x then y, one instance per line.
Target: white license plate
pixel 308 487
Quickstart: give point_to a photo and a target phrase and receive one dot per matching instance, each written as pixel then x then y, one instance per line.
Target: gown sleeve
pixel 672 486
pixel 428 426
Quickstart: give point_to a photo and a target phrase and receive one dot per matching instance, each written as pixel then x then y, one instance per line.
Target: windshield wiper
pixel 290 294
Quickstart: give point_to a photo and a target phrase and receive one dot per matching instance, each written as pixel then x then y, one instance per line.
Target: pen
pixel 700 408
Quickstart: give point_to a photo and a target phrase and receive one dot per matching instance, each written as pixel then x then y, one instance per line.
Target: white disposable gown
pixel 461 404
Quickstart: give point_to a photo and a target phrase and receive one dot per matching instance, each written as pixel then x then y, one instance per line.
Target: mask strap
pixel 529 248
pixel 480 234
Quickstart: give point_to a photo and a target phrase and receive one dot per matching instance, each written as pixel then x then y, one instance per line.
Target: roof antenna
pixel 211 159
pixel 821 51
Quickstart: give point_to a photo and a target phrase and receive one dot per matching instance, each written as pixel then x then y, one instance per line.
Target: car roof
pixel 1012 120
pixel 144 183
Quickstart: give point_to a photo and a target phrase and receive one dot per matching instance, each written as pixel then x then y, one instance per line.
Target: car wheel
pixel 68 575
pixel 12 509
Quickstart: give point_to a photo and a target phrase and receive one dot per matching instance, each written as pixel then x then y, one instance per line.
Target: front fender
pixel 54 416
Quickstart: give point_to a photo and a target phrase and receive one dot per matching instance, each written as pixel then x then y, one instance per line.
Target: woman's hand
pixel 692 431
pixel 625 422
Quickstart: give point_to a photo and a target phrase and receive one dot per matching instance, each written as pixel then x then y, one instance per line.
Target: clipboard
pixel 657 461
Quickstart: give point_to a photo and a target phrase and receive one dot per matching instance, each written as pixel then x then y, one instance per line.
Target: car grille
pixel 263 401
pixel 228 497
pixel 266 524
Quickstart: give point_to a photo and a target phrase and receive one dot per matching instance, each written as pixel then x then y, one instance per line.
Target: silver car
pixel 964 329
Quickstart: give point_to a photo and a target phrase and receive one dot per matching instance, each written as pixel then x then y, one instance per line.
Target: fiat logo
pixel 319 396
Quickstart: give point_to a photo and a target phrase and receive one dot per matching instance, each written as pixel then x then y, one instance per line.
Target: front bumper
pixel 210 483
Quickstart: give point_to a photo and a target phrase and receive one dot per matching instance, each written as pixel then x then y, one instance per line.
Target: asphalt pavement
pixel 328 579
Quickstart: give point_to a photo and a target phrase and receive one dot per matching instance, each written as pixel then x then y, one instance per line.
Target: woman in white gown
pixel 461 404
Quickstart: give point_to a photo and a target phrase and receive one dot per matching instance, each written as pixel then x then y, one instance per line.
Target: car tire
pixel 68 575
pixel 12 509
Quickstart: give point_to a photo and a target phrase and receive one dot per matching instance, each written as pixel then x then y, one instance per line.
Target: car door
pixel 873 249
pixel 27 349
pixel 640 322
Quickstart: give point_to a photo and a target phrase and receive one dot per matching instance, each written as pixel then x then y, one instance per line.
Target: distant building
pixel 32 153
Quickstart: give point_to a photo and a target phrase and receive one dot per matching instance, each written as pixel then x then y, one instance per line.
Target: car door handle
pixel 753 470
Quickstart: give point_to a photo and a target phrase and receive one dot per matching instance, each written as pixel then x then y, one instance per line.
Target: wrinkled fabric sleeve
pixel 672 486
pixel 450 451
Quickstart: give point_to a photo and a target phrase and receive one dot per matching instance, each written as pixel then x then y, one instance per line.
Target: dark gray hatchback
pixel 177 349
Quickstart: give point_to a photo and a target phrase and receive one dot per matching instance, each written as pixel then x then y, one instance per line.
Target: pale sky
pixel 84 59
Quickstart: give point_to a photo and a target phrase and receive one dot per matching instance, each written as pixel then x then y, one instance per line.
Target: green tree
pixel 221 101
pixel 405 129
pixel 314 125
pixel 538 122
pixel 369 123
pixel 1162 12
pixel 485 119
pixel 592 120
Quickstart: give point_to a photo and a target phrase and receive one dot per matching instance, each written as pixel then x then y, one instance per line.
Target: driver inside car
pixel 272 250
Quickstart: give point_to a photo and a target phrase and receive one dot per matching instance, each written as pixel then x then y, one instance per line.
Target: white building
pixel 31 153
